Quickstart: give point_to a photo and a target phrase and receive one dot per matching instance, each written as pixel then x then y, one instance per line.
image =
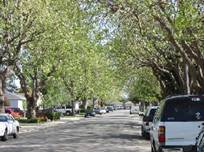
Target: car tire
pixel 160 150
pixel 143 132
pixel 15 135
pixel 152 149
pixel 5 136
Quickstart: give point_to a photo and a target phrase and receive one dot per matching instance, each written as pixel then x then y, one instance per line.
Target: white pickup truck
pixel 63 110
pixel 8 126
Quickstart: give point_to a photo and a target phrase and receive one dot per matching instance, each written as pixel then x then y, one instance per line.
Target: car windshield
pixel 184 111
pixel 3 118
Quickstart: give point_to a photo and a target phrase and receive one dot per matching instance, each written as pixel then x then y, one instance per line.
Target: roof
pixel 13 96
pixel 184 97
pixel 4 114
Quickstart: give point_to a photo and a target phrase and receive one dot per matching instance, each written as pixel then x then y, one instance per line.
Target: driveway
pixel 114 132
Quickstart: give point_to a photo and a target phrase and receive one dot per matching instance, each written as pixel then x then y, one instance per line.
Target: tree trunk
pixel 31 107
pixel 94 102
pixel 73 108
pixel 85 103
pixel 2 91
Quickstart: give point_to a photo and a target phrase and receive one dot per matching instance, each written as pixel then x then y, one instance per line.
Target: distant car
pixel 99 111
pixel 134 110
pixel 103 111
pixel 147 121
pixel 90 114
pixel 120 107
pixel 8 126
pixel 63 110
pixel 110 108
pixel 15 112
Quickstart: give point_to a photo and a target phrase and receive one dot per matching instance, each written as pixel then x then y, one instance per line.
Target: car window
pixel 3 118
pixel 158 113
pixel 184 111
pixel 151 114
pixel 11 118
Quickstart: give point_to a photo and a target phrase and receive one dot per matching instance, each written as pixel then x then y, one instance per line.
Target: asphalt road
pixel 114 132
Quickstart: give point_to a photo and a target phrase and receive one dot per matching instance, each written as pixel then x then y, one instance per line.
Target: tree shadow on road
pixel 126 137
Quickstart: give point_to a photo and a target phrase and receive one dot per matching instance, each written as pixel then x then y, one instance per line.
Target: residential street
pixel 114 132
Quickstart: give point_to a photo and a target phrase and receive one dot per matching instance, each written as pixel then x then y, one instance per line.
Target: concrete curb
pixel 29 127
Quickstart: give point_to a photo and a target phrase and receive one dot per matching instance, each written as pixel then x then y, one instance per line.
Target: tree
pixel 165 36
pixel 18 28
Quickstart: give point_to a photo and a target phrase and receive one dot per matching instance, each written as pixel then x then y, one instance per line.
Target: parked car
pixel 147 121
pixel 15 112
pixel 8 126
pixel 134 110
pixel 177 123
pixel 119 107
pixel 63 110
pixel 90 114
pixel 200 140
pixel 102 110
pixel 99 111
pixel 110 108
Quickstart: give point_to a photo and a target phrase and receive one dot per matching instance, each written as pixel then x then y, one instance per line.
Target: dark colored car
pixel 147 121
pixel 90 114
pixel 110 108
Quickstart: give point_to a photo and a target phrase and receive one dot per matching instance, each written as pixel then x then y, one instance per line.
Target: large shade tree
pixel 165 36
pixel 18 27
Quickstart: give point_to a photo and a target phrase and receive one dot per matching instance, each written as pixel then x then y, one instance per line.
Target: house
pixel 15 100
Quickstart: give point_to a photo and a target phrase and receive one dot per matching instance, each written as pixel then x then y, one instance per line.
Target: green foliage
pixel 143 86
pixel 35 120
pixel 53 115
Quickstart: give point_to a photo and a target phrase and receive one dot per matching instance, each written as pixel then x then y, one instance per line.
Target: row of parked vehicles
pixel 178 123
pixel 100 111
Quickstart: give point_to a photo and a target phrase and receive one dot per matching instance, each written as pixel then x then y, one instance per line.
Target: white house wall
pixel 16 104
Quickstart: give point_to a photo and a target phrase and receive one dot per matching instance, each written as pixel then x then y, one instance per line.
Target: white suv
pixel 177 123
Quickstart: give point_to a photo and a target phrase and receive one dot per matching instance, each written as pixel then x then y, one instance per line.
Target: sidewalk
pixel 31 127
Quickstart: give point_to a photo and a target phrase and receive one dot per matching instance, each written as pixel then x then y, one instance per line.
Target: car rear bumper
pixel 183 147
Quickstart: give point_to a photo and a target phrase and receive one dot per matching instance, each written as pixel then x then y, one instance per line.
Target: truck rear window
pixel 183 111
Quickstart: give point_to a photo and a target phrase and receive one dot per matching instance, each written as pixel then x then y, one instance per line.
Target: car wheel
pixel 143 133
pixel 5 137
pixel 152 149
pixel 160 150
pixel 15 135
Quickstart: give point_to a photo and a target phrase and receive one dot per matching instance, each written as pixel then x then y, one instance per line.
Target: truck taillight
pixel 161 134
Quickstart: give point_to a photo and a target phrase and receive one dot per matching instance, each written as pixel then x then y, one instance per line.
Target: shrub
pixel 82 110
pixel 53 115
pixel 35 120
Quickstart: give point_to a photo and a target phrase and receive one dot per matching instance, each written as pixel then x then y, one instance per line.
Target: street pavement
pixel 113 132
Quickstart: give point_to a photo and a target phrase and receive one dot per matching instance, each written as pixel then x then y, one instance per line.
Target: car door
pixel 12 125
pixel 9 124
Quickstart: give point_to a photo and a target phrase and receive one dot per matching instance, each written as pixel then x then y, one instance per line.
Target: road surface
pixel 114 132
